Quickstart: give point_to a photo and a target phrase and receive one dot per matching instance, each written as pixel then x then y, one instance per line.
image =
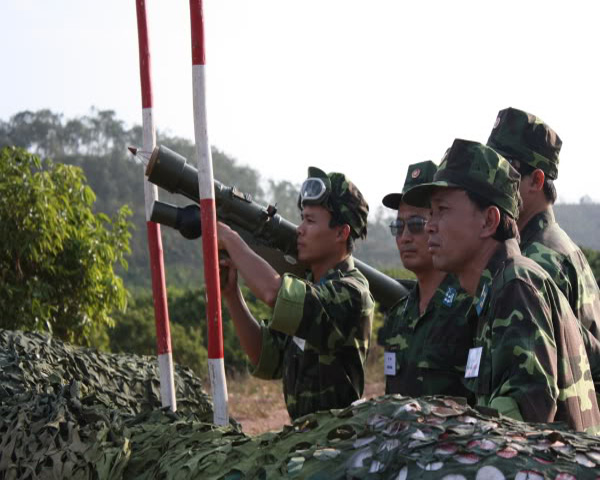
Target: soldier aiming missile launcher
pixel 269 234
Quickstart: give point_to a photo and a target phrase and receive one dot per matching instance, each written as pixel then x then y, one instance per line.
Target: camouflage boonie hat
pixel 417 174
pixel 345 202
pixel 521 136
pixel 476 168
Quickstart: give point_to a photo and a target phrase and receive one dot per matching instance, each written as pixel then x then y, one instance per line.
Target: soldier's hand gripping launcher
pixel 270 235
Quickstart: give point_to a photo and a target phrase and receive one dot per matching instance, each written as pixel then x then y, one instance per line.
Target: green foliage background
pixel 97 145
pixel 56 255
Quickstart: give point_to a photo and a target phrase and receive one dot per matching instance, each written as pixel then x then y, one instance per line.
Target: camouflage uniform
pixel 318 340
pixel 319 334
pixel 524 137
pixel 430 350
pixel 426 354
pixel 533 364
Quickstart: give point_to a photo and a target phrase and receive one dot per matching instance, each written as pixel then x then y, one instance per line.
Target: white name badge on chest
pixel 300 342
pixel 389 363
pixel 473 362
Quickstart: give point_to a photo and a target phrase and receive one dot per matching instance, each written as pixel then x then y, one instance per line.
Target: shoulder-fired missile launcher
pixel 270 235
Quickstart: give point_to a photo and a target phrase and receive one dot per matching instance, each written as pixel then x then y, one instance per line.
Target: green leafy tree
pixel 57 257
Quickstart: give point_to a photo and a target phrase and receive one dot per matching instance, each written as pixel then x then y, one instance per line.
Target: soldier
pixel 319 333
pixel 529 361
pixel 426 335
pixel 532 147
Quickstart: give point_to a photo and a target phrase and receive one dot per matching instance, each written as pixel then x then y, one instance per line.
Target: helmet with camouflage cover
pixel 338 195
pixel 476 168
pixel 417 174
pixel 521 136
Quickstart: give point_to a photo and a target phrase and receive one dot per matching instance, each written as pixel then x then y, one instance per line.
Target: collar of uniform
pixel 507 249
pixel 537 223
pixel 414 297
pixel 448 292
pixel 344 266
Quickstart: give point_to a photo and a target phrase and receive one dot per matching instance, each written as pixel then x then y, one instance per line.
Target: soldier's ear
pixel 491 220
pixel 537 180
pixel 343 232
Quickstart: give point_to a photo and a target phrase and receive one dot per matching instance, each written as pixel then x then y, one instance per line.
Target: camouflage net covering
pixel 61 420
pixel 62 408
pixel 390 437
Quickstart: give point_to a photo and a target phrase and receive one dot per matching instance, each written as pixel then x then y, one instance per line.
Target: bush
pixel 57 257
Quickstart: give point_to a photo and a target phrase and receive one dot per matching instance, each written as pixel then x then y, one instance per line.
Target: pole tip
pixel 133 150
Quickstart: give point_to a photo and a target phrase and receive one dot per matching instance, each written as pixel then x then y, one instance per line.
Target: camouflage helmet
pixel 476 168
pixel 343 200
pixel 417 174
pixel 521 136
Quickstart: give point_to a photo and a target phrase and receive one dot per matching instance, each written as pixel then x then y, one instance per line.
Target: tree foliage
pixel 57 257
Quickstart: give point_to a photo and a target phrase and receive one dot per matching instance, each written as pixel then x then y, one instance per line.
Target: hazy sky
pixel 361 87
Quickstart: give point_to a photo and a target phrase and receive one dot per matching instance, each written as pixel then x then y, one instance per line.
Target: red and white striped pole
pixel 159 288
pixel 216 365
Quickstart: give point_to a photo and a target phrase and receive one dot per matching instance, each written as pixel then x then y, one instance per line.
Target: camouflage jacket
pixel 426 354
pixel 533 364
pixel 548 245
pixel 318 340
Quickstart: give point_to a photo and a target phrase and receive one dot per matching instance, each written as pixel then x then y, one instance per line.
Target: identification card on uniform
pixel 300 342
pixel 472 370
pixel 389 363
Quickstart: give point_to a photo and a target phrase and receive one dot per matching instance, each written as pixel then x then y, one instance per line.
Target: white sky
pixel 361 87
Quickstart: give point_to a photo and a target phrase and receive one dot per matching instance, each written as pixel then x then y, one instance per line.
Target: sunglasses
pixel 416 226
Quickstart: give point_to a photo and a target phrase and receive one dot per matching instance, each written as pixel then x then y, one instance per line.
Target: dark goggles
pixel 314 191
pixel 416 226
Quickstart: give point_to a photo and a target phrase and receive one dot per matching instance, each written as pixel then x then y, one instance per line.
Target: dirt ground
pixel 258 404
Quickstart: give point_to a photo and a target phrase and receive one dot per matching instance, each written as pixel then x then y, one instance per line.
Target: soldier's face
pixel 316 239
pixel 453 229
pixel 413 247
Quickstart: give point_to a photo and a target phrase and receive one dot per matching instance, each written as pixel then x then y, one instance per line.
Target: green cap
pixel 521 136
pixel 476 168
pixel 417 174
pixel 345 202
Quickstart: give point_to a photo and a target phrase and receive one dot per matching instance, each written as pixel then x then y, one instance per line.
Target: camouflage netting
pixel 64 414
pixel 62 407
pixel 390 437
